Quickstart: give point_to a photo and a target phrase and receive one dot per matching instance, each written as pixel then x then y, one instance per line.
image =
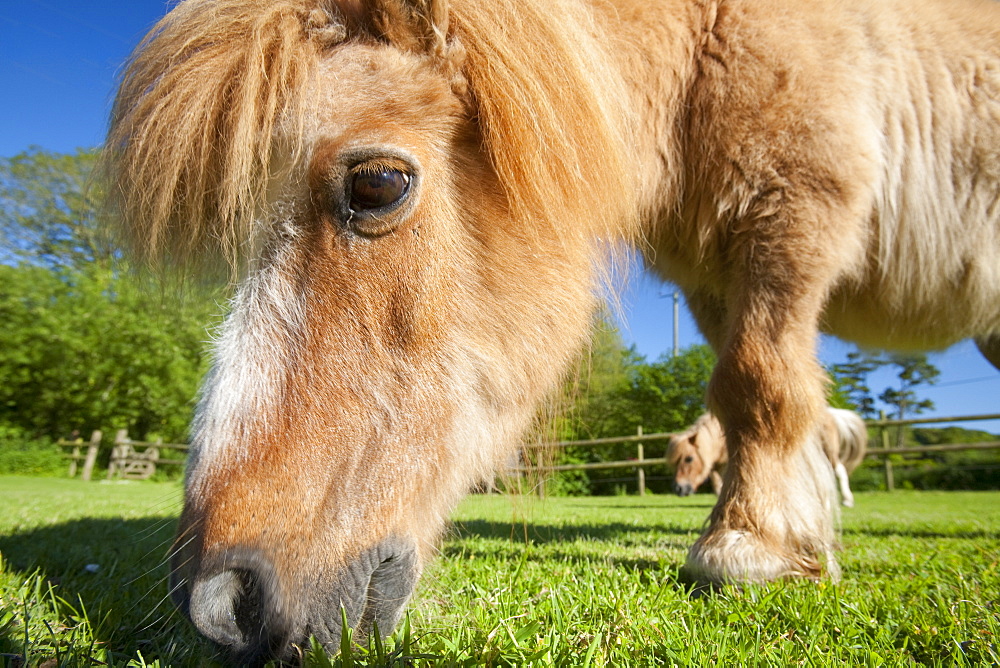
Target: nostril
pixel 249 608
pixel 236 609
pixel 226 607
pixel 389 587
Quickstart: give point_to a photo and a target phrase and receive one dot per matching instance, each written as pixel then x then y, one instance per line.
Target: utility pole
pixel 677 320
pixel 677 311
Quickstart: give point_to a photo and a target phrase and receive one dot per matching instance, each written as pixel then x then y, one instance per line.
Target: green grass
pixel 569 581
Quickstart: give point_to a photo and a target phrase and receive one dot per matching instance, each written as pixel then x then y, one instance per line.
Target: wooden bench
pixel 137 460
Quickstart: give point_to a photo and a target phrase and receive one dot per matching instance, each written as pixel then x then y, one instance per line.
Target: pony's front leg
pixel 716 480
pixel 774 517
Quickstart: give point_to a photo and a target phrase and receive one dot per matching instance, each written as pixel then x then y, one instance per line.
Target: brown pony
pixel 699 453
pixel 420 199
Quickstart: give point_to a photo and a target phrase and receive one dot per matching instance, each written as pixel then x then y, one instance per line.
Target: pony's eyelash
pixel 378 166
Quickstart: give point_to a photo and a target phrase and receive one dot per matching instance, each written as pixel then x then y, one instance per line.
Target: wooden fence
pixel 139 459
pixel 641 462
pixel 129 460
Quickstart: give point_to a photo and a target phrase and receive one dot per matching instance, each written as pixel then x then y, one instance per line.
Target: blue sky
pixel 58 63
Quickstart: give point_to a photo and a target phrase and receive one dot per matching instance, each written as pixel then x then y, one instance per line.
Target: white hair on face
pixel 251 352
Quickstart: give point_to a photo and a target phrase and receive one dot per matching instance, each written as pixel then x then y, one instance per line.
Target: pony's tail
pixel 853 436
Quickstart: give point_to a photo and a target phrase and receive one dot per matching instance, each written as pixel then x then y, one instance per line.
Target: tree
pixel 852 377
pixel 50 210
pixel 661 396
pixel 85 346
pixel 602 374
pixel 914 370
pixel 615 390
pixel 85 350
pixel 669 394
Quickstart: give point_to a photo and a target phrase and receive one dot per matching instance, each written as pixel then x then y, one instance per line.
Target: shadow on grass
pixel 668 538
pixel 569 545
pixel 111 572
pixel 680 505
pixel 550 533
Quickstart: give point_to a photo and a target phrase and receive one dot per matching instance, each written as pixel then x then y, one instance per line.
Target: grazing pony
pixel 699 453
pixel 420 199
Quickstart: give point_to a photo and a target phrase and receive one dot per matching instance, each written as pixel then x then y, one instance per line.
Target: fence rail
pixel 940 447
pixel 139 459
pixel 130 460
pixel 886 422
pixel 640 463
pixel 76 456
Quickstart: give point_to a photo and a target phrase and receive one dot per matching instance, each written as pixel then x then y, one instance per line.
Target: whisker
pixel 159 547
pixel 163 600
pixel 173 551
pixel 170 591
pixel 161 562
pixel 164 579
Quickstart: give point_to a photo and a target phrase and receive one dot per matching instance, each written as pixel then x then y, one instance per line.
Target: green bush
pixel 962 470
pixel 22 455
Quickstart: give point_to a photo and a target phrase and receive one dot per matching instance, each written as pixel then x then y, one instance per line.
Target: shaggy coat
pixel 419 200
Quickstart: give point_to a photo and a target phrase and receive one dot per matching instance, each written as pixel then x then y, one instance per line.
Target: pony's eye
pixel 377 188
pixel 688 459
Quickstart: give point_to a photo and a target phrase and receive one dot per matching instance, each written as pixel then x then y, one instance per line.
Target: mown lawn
pixel 566 582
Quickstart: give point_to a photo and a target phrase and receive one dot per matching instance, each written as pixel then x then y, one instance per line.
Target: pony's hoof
pixel 733 555
pixel 847 503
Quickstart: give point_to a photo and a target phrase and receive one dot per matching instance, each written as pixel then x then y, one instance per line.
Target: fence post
pixel 75 457
pixel 890 482
pixel 88 463
pixel 641 475
pixel 118 452
pixel 153 453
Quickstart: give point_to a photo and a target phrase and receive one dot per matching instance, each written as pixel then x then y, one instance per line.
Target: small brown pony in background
pixel 421 199
pixel 699 453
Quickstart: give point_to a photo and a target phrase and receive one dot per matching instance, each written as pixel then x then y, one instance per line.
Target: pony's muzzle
pixel 683 489
pixel 236 599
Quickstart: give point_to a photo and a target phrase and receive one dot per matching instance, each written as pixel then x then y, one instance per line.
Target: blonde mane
pixel 193 130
